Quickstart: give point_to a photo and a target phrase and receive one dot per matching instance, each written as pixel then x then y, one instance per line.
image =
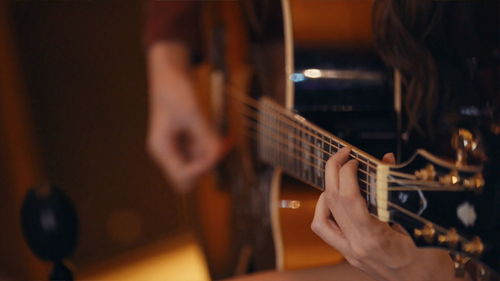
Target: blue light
pixel 298 77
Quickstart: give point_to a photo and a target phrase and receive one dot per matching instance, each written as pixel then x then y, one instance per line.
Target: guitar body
pixel 262 231
pixel 292 210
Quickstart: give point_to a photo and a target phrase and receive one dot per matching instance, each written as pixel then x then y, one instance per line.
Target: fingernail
pixel 391 155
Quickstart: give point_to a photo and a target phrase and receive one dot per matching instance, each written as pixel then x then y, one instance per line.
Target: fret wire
pixel 324 155
pixel 280 155
pixel 302 144
pixel 297 162
pixel 307 144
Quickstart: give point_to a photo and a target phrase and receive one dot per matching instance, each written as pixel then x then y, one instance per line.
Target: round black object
pixel 49 222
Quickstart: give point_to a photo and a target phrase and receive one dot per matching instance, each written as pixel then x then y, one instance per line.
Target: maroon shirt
pixel 173 21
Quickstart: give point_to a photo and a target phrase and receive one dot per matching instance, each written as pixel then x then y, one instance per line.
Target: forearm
pixel 169 75
pixel 167 60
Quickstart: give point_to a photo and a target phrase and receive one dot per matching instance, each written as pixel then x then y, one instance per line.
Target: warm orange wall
pixel 332 24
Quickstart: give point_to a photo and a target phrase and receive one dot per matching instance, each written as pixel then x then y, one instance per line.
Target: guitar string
pixel 391 204
pixel 424 188
pixel 300 138
pixel 280 145
pixel 250 114
pixel 321 169
pixel 403 175
pixel 255 104
pixel 298 157
pixel 430 184
pixel 259 130
pixel 242 98
pixel 435 186
pixel 282 116
pixel 424 221
pixel 283 136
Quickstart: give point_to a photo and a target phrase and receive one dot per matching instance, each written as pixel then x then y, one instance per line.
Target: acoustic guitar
pixel 272 72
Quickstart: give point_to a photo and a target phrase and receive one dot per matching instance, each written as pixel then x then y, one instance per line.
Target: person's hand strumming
pixel 179 138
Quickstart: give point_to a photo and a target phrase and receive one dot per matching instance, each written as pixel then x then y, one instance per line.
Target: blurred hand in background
pixel 179 138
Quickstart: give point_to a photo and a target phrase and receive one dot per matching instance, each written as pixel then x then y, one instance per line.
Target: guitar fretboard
pixel 300 148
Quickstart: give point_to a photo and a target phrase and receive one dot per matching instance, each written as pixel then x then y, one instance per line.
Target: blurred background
pixel 73 103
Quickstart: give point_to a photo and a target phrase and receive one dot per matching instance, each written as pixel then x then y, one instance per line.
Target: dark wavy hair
pixel 445 51
pixel 402 31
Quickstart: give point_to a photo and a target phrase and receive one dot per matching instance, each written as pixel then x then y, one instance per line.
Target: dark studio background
pixel 81 85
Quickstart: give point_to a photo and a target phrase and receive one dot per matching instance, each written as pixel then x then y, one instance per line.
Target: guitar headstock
pixel 444 204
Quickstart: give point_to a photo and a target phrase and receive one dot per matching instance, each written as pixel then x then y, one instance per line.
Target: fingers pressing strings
pixel 343 193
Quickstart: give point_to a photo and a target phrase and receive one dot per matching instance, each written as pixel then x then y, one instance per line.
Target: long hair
pixel 403 30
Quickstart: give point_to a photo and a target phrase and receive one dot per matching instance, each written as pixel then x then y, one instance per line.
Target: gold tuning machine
pixel 428 173
pixel 474 247
pixel 427 232
pixel 475 182
pixel 451 238
pixel 450 179
pixel 463 142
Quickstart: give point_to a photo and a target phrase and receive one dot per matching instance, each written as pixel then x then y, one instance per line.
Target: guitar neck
pixel 301 149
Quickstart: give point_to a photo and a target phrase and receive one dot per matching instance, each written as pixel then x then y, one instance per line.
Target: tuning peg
pixel 427 232
pixel 464 142
pixel 474 247
pixel 451 238
pixel 452 178
pixel 427 173
pixel 475 182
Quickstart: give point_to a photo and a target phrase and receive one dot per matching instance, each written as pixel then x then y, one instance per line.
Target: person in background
pixel 185 146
